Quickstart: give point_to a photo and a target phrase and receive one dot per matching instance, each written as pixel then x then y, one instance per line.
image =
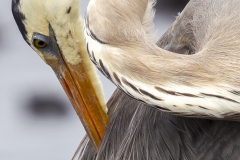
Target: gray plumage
pixel 204 84
pixel 138 132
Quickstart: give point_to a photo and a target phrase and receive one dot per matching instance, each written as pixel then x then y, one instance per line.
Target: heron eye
pixel 39 43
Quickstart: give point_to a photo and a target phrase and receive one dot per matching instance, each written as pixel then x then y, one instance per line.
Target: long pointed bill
pixel 78 86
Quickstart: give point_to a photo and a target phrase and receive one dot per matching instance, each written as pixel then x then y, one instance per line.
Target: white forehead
pixel 39 12
pixel 63 15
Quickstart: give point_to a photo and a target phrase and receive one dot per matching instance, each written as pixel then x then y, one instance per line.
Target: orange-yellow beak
pixel 78 87
pixel 77 84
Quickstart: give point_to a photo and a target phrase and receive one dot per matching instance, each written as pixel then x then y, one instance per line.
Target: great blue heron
pixel 136 130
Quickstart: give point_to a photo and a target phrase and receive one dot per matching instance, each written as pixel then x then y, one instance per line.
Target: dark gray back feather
pixel 139 132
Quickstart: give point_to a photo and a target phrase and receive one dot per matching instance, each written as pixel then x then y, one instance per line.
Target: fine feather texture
pixel 138 131
pixel 148 17
pixel 64 18
pixel 202 84
pixel 38 15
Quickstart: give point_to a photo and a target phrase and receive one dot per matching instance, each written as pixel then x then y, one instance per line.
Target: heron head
pixel 53 28
pixel 50 25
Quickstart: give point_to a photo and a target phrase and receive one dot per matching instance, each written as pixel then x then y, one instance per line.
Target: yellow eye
pixel 39 43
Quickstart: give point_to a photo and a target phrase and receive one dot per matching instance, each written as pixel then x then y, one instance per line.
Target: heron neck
pixel 186 85
pixel 172 82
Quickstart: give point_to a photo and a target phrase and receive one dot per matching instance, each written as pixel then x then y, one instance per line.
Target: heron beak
pixel 80 91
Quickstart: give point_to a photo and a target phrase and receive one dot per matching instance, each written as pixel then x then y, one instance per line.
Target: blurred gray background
pixel 37 122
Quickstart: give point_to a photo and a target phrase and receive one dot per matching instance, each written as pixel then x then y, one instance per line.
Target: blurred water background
pixel 37 122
